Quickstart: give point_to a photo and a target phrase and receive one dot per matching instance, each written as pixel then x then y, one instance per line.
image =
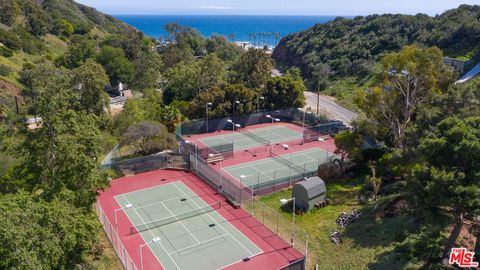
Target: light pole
pixel 154 240
pixel 303 122
pixel 273 119
pixel 235 105
pixel 208 104
pixel 285 201
pixel 258 102
pixel 234 125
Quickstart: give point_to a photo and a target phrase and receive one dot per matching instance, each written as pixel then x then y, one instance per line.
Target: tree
pixel 148 137
pixel 147 71
pixel 64 27
pixel 348 143
pixel 60 160
pixel 247 97
pixel 185 81
pixel 40 235
pixel 117 66
pixel 215 95
pixel 253 69
pixel 79 50
pixel 171 117
pixel 222 99
pixel 409 79
pixel 451 176
pixel 284 92
pixel 225 50
pixel 90 80
pixel 173 55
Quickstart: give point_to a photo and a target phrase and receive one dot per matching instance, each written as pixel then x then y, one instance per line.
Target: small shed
pixel 309 192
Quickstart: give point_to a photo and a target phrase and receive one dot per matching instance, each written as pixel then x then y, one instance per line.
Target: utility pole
pixel 16 105
pixel 318 98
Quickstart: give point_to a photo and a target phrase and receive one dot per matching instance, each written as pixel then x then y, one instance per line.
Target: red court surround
pixel 276 252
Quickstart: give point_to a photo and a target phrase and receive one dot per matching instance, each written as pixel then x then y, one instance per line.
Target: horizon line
pixel 270 15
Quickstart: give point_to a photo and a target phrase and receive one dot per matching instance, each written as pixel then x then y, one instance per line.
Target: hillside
pixel 34 30
pixel 351 47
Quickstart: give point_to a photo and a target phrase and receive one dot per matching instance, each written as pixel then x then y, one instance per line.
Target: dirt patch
pixel 9 88
pixel 466 238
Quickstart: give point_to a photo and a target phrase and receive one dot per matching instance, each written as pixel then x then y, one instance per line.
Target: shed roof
pixel 313 185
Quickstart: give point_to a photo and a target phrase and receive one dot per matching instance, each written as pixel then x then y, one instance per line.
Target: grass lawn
pixel 366 244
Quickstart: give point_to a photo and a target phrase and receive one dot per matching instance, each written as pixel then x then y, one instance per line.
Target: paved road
pixel 329 108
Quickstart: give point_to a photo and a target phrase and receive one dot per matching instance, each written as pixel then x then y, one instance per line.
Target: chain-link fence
pixel 282 227
pixel 286 115
pixel 225 184
pixel 152 162
pixel 114 239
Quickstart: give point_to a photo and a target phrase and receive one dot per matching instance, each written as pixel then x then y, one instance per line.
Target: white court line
pixel 224 228
pixel 146 242
pixel 200 243
pixel 143 189
pixel 179 221
pixel 272 179
pixel 150 204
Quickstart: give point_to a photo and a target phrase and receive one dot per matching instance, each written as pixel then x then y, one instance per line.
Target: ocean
pixel 237 28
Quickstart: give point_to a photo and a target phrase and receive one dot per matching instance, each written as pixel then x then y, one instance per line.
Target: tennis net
pixel 171 219
pixel 256 137
pixel 287 162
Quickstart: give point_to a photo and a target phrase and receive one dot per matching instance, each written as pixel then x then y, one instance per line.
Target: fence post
pixel 277 224
pixel 258 182
pixel 306 250
pixel 263 214
pixel 274 180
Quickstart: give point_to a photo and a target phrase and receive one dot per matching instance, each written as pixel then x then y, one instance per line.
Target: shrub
pixel 5 70
pixel 10 40
pixel 6 52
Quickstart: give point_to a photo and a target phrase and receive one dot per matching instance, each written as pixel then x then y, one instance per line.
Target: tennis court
pixel 245 139
pixel 182 230
pixel 278 169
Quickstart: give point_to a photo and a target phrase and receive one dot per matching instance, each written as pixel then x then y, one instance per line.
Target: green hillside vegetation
pixel 34 31
pixel 352 47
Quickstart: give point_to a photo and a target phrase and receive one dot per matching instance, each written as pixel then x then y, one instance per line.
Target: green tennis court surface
pixel 182 230
pixel 261 136
pixel 278 169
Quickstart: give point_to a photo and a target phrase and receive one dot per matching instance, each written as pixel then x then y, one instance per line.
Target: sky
pixel 273 7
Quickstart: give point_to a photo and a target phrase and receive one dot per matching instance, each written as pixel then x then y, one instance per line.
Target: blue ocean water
pixel 240 26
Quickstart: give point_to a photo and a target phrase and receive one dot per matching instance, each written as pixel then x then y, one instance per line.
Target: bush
pixel 5 70
pixel 5 52
pixel 10 40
